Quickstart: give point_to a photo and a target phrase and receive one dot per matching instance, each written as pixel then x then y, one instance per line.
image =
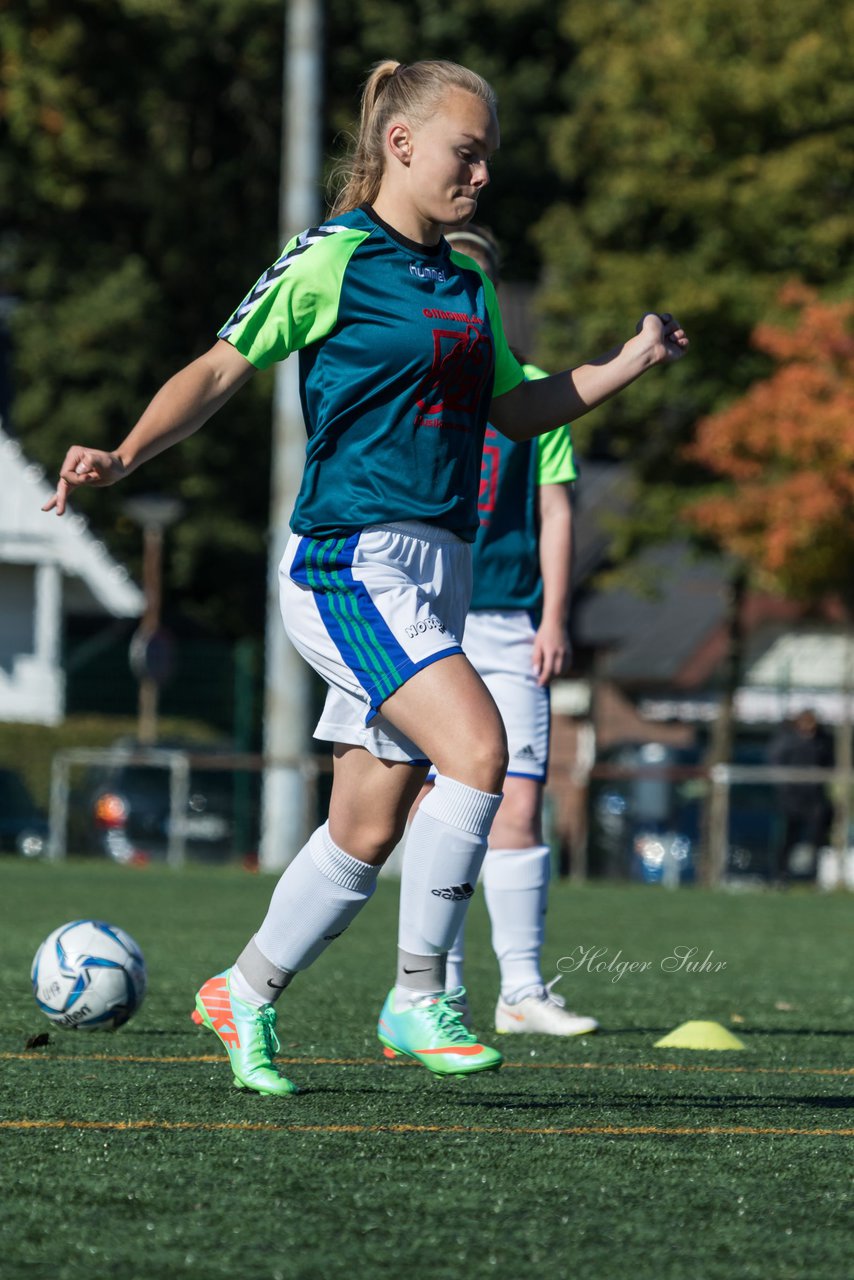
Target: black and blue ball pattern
pixel 89 975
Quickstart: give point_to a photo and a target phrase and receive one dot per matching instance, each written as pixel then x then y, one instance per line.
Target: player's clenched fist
pixel 84 467
pixel 667 337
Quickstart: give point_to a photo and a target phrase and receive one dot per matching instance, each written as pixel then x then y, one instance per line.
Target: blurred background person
pixel 807 810
pixel 516 638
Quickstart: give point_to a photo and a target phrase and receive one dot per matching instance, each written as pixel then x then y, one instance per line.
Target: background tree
pixel 647 159
pixel 784 452
pixel 142 141
pixel 706 157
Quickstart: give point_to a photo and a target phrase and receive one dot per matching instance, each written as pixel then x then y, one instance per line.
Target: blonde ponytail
pixel 394 89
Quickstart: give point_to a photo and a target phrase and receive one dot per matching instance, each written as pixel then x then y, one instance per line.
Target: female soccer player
pixel 402 360
pixel 516 639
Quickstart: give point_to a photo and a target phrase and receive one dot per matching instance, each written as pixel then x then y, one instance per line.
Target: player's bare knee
pixel 481 765
pixel 373 839
pixel 517 824
pixel 492 759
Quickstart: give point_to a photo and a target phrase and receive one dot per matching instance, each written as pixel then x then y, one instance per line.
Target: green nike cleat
pixel 433 1034
pixel 248 1034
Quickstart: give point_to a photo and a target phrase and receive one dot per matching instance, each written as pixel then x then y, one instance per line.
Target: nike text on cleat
pixel 544 1014
pixel 432 1032
pixel 248 1034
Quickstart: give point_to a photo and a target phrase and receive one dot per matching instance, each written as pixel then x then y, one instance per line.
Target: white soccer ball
pixel 88 974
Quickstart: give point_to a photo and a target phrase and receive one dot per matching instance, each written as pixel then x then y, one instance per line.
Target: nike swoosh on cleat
pixel 462 1050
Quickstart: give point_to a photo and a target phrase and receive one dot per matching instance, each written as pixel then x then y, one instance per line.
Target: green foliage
pixel 784 454
pixel 142 141
pixel 704 161
pixel 514 44
pixel 647 161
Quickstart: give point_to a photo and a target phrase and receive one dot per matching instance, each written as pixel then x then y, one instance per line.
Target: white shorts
pixel 369 611
pixel 500 646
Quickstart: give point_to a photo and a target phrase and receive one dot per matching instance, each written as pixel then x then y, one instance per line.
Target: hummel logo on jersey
pixel 454 892
pixel 525 753
pixel 427 273
pixel 424 625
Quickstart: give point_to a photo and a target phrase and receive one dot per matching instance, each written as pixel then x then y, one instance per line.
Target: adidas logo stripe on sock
pixel 454 892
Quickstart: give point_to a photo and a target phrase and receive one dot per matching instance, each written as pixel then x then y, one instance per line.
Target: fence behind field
pixel 192 818
pixel 182 819
pixel 677 822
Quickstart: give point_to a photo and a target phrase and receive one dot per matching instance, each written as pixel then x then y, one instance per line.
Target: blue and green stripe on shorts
pixel 358 629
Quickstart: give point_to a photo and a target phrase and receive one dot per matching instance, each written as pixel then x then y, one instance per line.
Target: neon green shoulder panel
pixel 295 303
pixel 555 457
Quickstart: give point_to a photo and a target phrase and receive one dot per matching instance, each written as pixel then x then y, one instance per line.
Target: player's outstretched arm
pixel 535 407
pixel 180 407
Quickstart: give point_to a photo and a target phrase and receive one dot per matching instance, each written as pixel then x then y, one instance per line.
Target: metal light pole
pixel 284 818
pixel 150 649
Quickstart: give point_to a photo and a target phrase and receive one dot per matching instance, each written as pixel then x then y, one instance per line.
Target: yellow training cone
pixel 699 1035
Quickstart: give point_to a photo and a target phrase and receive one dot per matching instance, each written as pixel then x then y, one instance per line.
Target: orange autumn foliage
pixel 787 450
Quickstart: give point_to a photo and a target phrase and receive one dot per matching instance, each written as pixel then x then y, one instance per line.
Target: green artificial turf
pixel 130 1154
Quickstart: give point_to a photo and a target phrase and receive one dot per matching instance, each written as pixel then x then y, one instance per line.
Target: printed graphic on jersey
pixel 376 366
pixel 463 366
pixel 489 471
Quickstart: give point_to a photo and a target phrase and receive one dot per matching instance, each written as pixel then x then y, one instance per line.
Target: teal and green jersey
pixel 506 551
pixel 401 349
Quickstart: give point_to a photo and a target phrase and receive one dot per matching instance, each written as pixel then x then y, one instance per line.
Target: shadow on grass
pixel 739 1030
pixel 520 1102
pixel 794 1031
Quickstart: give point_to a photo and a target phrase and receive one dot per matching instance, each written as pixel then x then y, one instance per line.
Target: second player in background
pixel 516 638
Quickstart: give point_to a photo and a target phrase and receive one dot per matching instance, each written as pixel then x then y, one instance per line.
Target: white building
pixel 49 569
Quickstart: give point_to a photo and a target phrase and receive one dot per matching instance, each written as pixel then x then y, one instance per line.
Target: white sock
pixel 516 885
pixel 456 955
pixel 317 897
pixel 444 852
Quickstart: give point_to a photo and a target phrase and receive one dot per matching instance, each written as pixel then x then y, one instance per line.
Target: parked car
pixel 23 825
pixel 645 822
pixel 123 809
